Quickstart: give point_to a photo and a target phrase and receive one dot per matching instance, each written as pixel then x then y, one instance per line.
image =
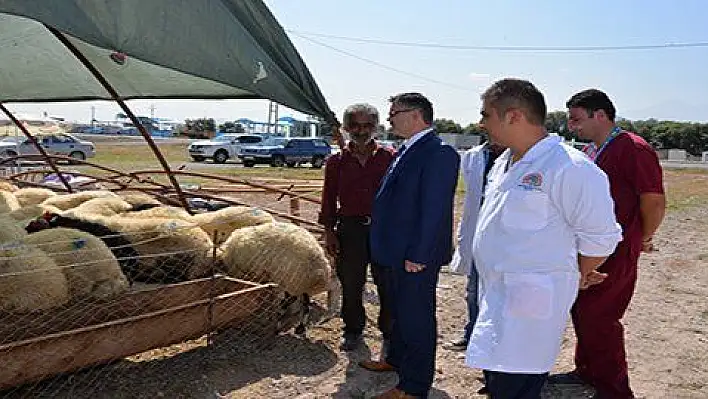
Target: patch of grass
pixel 685 189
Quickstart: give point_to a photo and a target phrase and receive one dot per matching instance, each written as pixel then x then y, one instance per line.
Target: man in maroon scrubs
pixel 352 178
pixel 635 176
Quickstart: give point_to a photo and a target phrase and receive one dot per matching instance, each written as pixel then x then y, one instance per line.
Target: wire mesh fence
pixel 99 290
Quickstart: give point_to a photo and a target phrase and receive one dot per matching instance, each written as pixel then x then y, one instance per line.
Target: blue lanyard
pixel 594 155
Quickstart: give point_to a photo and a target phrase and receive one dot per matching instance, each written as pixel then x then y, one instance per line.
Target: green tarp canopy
pixel 173 49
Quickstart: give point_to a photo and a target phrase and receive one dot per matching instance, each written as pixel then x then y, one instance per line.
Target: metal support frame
pixel 33 140
pixel 116 97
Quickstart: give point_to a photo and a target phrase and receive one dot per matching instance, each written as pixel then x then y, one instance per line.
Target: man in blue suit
pixel 411 237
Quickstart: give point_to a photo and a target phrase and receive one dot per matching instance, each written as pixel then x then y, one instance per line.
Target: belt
pixel 363 220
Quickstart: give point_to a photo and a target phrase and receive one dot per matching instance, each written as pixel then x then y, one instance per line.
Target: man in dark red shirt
pixel 352 178
pixel 636 186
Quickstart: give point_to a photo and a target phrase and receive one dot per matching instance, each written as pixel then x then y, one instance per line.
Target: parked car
pixel 290 152
pixel 222 148
pixel 54 144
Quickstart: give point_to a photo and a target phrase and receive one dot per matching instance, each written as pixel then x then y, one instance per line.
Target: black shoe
pixel 457 345
pixel 350 342
pixel 570 378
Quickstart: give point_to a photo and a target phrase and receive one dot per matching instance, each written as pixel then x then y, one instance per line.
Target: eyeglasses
pixel 394 113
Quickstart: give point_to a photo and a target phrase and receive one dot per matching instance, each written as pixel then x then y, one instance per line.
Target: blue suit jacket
pixel 412 216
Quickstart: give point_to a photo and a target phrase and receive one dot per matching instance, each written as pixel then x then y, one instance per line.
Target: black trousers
pixel 514 386
pixel 414 335
pixel 352 263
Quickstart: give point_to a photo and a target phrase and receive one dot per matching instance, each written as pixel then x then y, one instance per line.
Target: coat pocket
pixel 528 296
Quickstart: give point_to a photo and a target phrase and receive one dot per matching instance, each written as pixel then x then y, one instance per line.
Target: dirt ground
pixel 666 330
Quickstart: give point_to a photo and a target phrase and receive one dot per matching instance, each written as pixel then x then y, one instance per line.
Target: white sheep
pixel 8 202
pixel 68 201
pixel 283 253
pixel 30 280
pixel 103 206
pixel 33 195
pixel 224 221
pixel 91 270
pixel 7 186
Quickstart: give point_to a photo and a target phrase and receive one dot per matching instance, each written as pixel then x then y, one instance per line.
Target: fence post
pixel 294 207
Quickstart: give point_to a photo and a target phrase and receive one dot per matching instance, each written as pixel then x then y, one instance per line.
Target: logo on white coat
pixel 532 181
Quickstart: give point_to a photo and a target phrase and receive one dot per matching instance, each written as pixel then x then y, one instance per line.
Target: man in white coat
pixel 475 165
pixel 546 224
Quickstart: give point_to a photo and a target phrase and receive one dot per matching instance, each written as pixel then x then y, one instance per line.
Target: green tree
pixel 474 128
pixel 231 127
pixel 447 126
pixel 557 122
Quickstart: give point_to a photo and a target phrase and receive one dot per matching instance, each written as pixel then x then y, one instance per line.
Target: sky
pixel 663 84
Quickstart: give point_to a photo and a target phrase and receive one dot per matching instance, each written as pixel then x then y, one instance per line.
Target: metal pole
pixel 116 97
pixel 33 140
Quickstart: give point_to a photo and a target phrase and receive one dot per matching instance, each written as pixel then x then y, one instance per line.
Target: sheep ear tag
pixel 78 244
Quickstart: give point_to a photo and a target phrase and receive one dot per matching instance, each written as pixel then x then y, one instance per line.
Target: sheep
pixel 171 250
pixel 8 202
pixel 33 195
pixel 68 201
pixel 30 280
pixel 103 206
pixel 7 186
pixel 162 212
pixel 226 220
pixel 91 270
pixel 283 253
pixel 119 245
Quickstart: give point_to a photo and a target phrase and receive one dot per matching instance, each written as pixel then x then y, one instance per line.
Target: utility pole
pixel 273 113
pixel 152 111
pixel 93 115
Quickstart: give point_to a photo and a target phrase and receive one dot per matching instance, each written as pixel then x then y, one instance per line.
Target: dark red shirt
pixel 633 168
pixel 350 187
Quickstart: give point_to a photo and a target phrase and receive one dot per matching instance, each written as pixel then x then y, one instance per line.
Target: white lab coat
pixel 472 166
pixel 536 217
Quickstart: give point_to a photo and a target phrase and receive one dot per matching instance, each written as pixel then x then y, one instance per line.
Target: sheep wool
pixel 162 212
pixel 8 202
pixel 103 206
pixel 283 253
pixel 138 199
pixel 68 201
pixel 30 280
pixel 91 269
pixel 10 230
pixel 7 186
pixel 170 249
pixel 33 195
pixel 226 220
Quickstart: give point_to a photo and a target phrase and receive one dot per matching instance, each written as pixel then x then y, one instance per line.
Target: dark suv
pixel 278 151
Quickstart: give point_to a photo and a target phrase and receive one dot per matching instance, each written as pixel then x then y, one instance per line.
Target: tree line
pixel 692 137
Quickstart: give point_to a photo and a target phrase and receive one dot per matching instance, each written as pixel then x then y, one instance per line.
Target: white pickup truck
pixel 222 148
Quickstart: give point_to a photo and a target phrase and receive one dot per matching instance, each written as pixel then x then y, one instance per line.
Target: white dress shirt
pixel 408 144
pixel 536 217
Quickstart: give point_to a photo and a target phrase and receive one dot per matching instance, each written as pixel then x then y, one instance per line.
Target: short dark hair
pixel 416 101
pixel 509 93
pixel 593 100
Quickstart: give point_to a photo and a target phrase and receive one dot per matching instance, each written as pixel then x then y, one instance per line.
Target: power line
pixel 505 48
pixel 390 68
